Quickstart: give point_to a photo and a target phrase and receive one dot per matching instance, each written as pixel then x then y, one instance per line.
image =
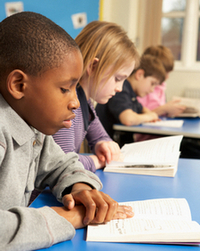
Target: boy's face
pixel 146 85
pixel 49 99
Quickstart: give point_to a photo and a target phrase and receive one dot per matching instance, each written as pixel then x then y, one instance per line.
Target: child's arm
pixel 98 207
pixel 97 163
pixel 104 148
pixel 171 109
pixel 129 117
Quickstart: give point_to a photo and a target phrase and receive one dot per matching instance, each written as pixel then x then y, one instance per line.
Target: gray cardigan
pixel 28 160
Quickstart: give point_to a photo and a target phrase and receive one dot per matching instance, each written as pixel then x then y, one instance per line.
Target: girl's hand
pixel 107 151
pixel 98 164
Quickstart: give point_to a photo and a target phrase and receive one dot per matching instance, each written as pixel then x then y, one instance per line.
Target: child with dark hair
pixel 156 100
pixel 40 66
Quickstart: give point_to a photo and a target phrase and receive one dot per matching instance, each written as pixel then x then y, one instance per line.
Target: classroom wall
pixel 124 12
pixel 127 13
pixel 60 11
pixel 179 81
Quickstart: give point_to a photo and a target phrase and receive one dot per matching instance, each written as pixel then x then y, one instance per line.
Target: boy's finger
pixel 101 207
pixel 127 210
pixel 123 212
pixel 68 201
pixel 107 209
pixel 85 197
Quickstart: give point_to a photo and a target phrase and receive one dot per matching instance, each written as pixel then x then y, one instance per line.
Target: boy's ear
pixel 16 83
pixel 139 74
pixel 91 67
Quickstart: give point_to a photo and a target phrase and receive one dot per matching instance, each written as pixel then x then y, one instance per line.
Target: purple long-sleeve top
pixel 85 125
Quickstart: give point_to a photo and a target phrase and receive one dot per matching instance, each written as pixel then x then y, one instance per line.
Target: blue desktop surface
pixel 190 128
pixel 129 187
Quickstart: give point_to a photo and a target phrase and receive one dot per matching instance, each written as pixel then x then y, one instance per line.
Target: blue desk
pixel 128 187
pixel 190 128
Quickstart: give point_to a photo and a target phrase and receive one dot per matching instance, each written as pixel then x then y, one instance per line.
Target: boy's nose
pixel 74 104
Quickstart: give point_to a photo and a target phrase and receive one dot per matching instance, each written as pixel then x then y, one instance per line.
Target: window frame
pixel 190 36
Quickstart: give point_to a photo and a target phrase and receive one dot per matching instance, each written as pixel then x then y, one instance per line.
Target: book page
pixel 161 208
pixel 157 151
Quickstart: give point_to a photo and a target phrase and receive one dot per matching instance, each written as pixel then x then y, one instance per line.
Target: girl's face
pixel 109 87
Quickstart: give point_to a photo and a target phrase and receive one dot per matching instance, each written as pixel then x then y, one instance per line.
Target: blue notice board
pixel 71 15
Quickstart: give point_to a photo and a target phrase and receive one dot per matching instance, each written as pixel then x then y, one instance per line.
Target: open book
pixel 163 221
pixel 151 157
pixel 192 106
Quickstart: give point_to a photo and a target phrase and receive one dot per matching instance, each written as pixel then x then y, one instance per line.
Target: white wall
pixel 180 80
pixel 126 13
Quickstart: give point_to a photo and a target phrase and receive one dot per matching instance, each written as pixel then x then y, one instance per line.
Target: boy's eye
pixel 63 90
pixel 117 79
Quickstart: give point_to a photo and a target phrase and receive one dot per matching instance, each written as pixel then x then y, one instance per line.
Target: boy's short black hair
pixel 32 43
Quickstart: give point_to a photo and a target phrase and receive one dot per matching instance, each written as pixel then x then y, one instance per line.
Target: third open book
pixel 192 106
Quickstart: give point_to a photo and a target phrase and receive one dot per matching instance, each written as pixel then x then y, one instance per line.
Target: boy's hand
pixel 151 117
pixel 174 108
pixel 99 206
pixel 76 215
pixel 107 151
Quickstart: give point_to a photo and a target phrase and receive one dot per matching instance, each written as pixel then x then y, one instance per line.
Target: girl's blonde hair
pixel 110 44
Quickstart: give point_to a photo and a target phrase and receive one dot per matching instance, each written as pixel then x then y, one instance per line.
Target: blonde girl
pixel 109 58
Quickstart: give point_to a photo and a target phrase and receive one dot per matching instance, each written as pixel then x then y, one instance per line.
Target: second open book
pixel 151 157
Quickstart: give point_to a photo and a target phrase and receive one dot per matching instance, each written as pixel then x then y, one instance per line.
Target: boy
pixel 40 65
pixel 156 101
pixel 190 148
pixel 124 107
